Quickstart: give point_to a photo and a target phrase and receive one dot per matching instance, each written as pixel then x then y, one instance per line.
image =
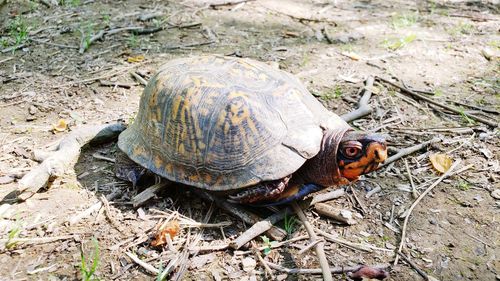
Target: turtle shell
pixel 223 123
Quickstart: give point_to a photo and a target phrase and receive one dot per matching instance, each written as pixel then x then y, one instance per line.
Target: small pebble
pixel 390 246
pixel 6 179
pixel 248 264
pixel 478 198
pixel 496 194
pixel 33 110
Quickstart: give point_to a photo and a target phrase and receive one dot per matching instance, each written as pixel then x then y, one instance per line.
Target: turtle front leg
pixel 266 191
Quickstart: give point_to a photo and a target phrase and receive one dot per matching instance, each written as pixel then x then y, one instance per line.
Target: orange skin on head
pixel 375 153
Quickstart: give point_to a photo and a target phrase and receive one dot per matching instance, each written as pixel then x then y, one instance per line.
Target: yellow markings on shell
pixel 263 77
pixel 252 127
pixel 138 151
pixel 193 178
pixel 169 168
pixel 246 64
pixel 207 178
pixel 204 112
pixel 175 105
pixel 236 94
pixel 181 149
pixel 158 162
pixel 201 145
pixel 196 81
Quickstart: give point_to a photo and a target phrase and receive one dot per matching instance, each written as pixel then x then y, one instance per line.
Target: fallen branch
pixel 86 42
pixel 363 107
pixel 274 245
pixel 408 213
pixel 146 266
pixel 254 231
pixel 268 270
pixel 414 266
pixel 274 232
pixel 35 240
pixel 190 45
pixel 85 213
pixel 139 78
pixel 339 215
pixel 216 4
pixel 65 156
pixel 431 101
pixel 53 44
pixel 327 196
pixel 351 245
pixel 414 191
pixel 333 270
pixel 108 75
pixel 116 84
pixel 258 228
pixel 148 193
pixel 407 151
pixel 320 251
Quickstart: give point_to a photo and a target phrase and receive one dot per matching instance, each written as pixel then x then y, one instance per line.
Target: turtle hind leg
pixel 128 170
pixel 266 191
pixel 292 193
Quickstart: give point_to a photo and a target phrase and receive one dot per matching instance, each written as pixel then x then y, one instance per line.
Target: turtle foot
pixel 266 191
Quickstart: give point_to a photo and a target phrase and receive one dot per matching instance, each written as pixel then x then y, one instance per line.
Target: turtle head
pixel 360 153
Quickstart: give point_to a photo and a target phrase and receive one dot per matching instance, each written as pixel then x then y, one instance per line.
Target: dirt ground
pixel 51 69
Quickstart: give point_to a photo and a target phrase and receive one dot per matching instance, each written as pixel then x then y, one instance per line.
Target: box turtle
pixel 245 128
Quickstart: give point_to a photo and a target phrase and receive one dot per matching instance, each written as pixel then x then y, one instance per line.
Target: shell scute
pixel 223 123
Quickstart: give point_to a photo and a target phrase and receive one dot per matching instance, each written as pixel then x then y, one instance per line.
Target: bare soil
pixel 449 48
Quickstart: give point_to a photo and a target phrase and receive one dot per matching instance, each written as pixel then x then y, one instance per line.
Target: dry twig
pixel 431 101
pixel 274 232
pixel 65 156
pixel 363 107
pixel 351 245
pixel 86 42
pixel 407 151
pixel 139 78
pixel 256 252
pixel 145 265
pixel 414 266
pixel 333 270
pixel 320 252
pixel 408 213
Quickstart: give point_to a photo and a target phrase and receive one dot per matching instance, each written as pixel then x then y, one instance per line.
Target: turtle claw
pixel 266 191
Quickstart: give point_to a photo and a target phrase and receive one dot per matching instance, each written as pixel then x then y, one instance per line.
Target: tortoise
pixel 243 128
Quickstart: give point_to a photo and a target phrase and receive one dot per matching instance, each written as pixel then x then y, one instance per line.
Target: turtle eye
pixel 351 150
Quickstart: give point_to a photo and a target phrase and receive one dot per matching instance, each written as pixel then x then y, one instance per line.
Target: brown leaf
pixel 134 59
pixel 171 229
pixel 441 162
pixel 61 126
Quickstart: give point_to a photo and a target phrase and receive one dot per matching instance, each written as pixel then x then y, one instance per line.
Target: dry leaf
pixel 441 162
pixel 248 264
pixel 351 55
pixel 61 126
pixel 138 58
pixel 171 229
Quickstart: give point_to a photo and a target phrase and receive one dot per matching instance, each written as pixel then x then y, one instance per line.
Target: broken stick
pixel 320 251
pixel 431 101
pixel 274 232
pixel 363 107
pixel 408 213
pixel 65 156
pixel 407 151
